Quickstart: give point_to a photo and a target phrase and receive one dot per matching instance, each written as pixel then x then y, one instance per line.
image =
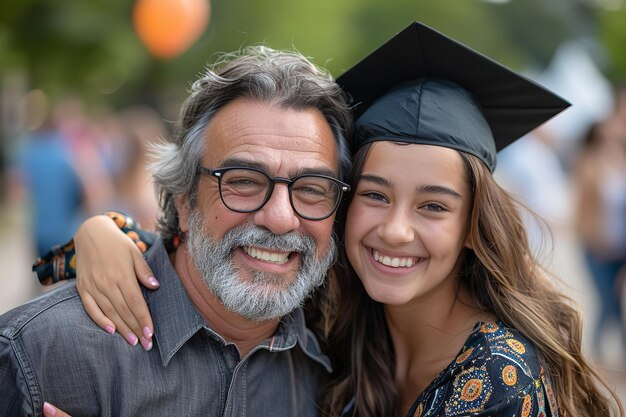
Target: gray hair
pixel 285 79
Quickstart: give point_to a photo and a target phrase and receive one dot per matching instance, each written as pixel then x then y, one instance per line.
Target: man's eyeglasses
pixel 245 190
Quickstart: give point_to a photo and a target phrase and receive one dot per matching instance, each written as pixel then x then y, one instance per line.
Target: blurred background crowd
pixel 85 87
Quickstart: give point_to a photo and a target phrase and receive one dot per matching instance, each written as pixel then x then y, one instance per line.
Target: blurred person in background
pixel 600 184
pixel 134 189
pixel 537 168
pixel 46 168
pixel 88 137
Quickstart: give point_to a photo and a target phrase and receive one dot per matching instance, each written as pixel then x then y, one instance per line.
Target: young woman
pixel 442 312
pixel 437 307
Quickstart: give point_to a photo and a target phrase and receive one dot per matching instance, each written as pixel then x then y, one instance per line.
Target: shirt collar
pixel 293 330
pixel 176 319
pixel 174 316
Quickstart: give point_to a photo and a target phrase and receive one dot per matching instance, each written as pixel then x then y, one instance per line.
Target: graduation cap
pixel 426 88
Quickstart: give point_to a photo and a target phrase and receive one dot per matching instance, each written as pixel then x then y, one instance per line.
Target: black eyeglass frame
pixel 219 172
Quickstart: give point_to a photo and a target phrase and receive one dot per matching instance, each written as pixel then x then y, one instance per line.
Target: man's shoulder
pixel 59 306
pixel 54 332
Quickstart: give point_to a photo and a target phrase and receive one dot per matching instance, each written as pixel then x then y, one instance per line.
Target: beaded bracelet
pixel 59 263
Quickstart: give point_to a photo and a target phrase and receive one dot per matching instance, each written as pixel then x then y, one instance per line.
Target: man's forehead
pixel 296 169
pixel 272 137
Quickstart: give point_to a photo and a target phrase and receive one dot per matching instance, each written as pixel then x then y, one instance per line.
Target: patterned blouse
pixel 497 373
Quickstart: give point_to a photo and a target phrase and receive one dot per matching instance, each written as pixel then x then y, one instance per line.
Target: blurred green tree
pixel 90 48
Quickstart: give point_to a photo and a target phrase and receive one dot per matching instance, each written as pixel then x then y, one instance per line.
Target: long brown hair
pixel 502 277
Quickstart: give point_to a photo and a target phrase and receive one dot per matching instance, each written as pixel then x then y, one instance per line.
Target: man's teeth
pixel 277 258
pixel 404 262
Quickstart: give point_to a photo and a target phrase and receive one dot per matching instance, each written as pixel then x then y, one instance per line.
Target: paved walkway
pixel 17 281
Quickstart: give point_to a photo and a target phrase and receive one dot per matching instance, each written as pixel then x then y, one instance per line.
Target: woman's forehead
pixel 414 164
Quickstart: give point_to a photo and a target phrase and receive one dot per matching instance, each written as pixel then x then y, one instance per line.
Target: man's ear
pixel 182 207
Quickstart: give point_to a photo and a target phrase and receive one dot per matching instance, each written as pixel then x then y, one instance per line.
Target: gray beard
pixel 267 296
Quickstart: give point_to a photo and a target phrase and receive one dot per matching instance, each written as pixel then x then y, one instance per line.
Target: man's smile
pixel 266 255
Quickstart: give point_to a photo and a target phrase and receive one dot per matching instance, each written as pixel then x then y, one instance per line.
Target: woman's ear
pixel 468 241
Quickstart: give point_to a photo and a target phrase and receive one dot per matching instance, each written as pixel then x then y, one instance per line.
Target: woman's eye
pixel 434 207
pixel 374 196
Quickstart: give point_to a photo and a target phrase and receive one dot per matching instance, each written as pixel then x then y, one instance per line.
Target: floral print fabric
pixel 497 373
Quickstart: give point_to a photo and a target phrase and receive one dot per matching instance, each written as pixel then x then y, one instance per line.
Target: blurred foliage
pixel 613 37
pixel 90 47
pixel 61 45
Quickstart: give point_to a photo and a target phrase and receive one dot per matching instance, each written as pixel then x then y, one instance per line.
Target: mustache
pixel 251 235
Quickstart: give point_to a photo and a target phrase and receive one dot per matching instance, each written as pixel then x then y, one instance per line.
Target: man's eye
pixel 242 182
pixel 311 190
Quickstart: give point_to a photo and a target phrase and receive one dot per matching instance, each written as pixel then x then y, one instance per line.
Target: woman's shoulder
pixel 503 371
pixel 502 343
pixel 498 373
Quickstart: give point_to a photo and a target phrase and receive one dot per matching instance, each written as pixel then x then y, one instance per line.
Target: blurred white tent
pixel 574 75
pixel 533 167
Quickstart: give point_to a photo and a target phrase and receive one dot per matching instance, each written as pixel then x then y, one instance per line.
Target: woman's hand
pixel 107 263
pixel 51 411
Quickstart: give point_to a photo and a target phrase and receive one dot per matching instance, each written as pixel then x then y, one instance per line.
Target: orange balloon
pixel 168 27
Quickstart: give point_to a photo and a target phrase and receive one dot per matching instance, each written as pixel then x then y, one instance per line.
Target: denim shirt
pixel 50 350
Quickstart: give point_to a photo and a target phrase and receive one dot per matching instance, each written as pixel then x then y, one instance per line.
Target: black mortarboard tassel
pixel 424 87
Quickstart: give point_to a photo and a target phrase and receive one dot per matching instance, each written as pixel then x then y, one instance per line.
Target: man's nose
pixel 277 215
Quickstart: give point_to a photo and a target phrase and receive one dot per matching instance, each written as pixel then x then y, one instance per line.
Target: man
pixel 250 183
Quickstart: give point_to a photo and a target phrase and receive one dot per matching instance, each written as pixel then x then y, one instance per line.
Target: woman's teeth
pixel 395 262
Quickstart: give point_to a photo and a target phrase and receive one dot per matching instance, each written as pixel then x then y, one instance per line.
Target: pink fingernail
pixel 147 333
pixel 132 339
pixel 153 281
pixel 109 329
pixel 48 409
pixel 146 344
